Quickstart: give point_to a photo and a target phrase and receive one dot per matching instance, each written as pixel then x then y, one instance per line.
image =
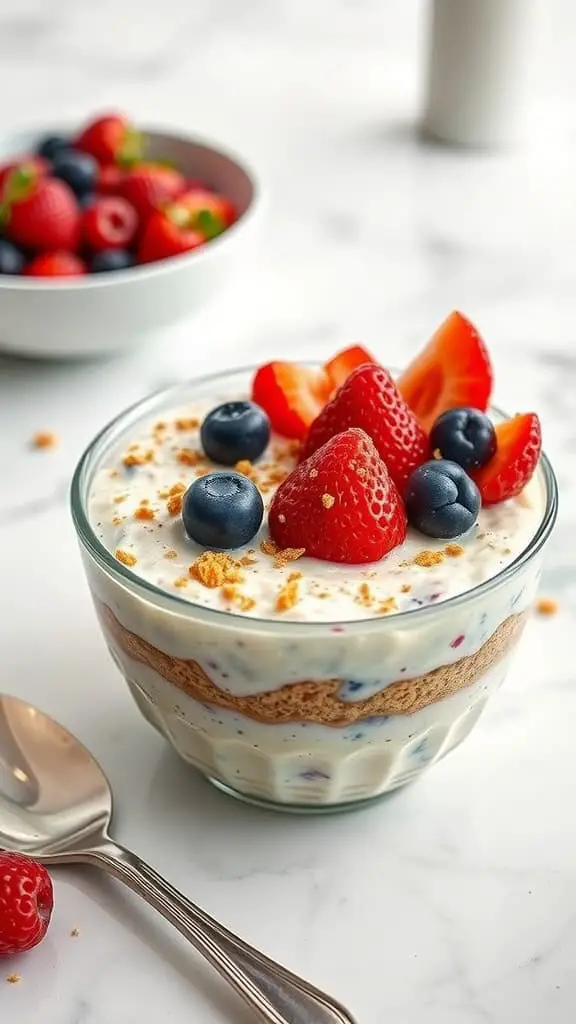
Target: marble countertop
pixel 453 902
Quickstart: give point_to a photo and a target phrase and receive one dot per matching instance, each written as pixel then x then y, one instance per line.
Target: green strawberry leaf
pixel 132 150
pixel 209 224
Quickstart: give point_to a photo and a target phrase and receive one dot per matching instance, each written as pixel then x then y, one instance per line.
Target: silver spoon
pixel 56 806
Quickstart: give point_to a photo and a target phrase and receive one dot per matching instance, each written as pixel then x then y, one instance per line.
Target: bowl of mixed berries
pixel 109 233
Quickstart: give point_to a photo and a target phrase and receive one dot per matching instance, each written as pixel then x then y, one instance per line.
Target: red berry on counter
pixel 111 139
pixel 518 447
pixel 453 370
pixel 369 399
pixel 110 180
pixel 109 223
pixel 150 186
pixel 26 901
pixel 163 237
pixel 340 504
pixel 39 212
pixel 341 366
pixel 291 395
pixel 56 264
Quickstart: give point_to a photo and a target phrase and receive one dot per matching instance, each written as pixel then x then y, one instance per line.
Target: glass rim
pixel 175 603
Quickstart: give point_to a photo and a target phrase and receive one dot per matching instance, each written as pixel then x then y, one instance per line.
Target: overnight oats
pixel 312 578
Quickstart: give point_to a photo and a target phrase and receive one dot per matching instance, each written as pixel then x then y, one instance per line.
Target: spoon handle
pixel 278 996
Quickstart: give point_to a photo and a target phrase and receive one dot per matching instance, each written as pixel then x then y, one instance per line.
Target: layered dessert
pixel 312 577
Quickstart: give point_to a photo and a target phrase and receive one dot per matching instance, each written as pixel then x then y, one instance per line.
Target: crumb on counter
pixel 75 933
pixel 426 559
pixel 44 439
pixel 287 596
pixel 125 557
pixel 214 568
pixel 328 500
pixel 14 978
pixel 546 606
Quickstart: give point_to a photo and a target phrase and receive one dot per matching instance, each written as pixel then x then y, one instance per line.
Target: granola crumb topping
pixel 287 596
pixel 406 588
pixel 187 423
pixel 144 512
pixel 171 554
pixel 364 595
pixel 285 555
pixel 214 568
pixel 453 550
pixel 44 439
pixel 181 582
pixel 426 559
pixel 328 500
pixel 138 458
pixel 546 606
pixel 389 605
pixel 174 504
pixel 268 547
pixel 125 557
pixel 245 468
pixel 190 457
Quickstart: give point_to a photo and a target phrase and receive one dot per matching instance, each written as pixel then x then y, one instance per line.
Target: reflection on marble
pixel 453 902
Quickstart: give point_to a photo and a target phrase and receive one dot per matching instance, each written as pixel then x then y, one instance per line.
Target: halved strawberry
pixel 452 370
pixel 369 399
pixel 519 443
pixel 340 366
pixel 339 505
pixel 291 395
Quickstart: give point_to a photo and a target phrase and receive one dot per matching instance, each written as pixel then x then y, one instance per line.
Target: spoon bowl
pixel 56 806
pixel 53 793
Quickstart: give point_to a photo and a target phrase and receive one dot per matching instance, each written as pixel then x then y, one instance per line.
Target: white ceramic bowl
pixel 102 313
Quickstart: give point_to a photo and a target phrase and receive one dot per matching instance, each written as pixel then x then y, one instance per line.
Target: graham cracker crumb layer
pixel 309 701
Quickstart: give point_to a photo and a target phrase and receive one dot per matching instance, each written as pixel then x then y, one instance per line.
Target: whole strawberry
pixel 369 399
pixel 340 504
pixel 40 212
pixel 56 264
pixel 164 235
pixel 26 902
pixel 150 186
pixel 111 139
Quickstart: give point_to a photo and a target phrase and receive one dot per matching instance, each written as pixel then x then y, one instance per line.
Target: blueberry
pixel 78 170
pixel 441 499
pixel 86 200
pixel 11 259
pixel 111 259
pixel 465 436
pixel 222 510
pixel 51 145
pixel 233 431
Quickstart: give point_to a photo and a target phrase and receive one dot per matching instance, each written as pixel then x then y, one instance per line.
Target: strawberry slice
pixel 341 366
pixel 340 504
pixel 453 370
pixel 369 399
pixel 291 395
pixel 519 443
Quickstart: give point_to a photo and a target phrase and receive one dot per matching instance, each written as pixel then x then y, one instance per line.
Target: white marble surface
pixel 453 902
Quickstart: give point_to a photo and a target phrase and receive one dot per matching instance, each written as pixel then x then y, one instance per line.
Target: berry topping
pixel 111 139
pixel 150 186
pixel 340 504
pixel 369 399
pixel 26 901
pixel 209 212
pixel 235 431
pixel 78 170
pixel 52 145
pixel 109 223
pixel 11 259
pixel 518 447
pixel 291 395
pixel 35 166
pixel 222 510
pixel 465 436
pixel 163 236
pixel 441 499
pixel 111 259
pixel 110 180
pixel 341 366
pixel 56 264
pixel 452 370
pixel 40 213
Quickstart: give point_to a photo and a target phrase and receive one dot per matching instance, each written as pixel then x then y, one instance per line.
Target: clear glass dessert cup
pixel 303 716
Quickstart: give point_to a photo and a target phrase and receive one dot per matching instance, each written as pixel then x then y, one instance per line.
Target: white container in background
pixel 479 54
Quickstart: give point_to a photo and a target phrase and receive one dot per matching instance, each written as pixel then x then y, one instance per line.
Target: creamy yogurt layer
pixel 134 509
